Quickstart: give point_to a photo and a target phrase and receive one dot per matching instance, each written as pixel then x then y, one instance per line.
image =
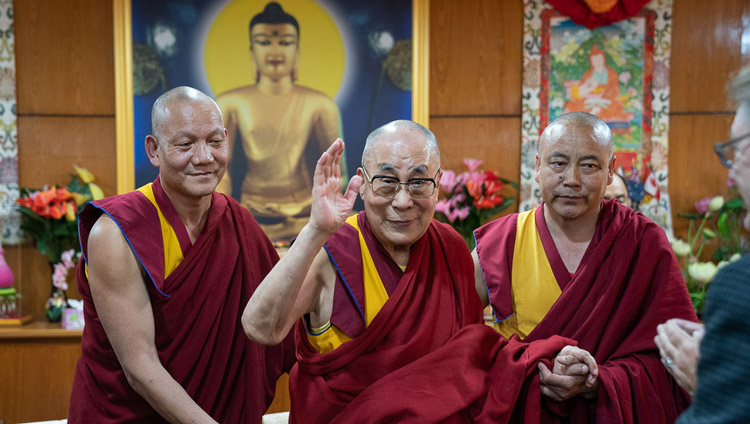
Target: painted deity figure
pixel 283 128
pixel 597 92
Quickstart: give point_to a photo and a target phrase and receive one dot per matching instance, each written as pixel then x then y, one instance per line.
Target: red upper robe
pixel 426 357
pixel 628 282
pixel 197 310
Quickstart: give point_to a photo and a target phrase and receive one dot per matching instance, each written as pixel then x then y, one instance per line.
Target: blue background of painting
pixel 363 17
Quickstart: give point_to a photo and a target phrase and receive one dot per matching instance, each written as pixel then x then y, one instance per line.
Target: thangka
pixel 619 73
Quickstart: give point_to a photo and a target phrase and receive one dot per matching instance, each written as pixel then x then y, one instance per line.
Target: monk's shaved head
pixel 431 145
pixel 579 120
pixel 162 109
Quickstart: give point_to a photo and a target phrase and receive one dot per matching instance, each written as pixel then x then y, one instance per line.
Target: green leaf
pixel 690 215
pixel 28 213
pixel 735 204
pixel 509 182
pixel 721 224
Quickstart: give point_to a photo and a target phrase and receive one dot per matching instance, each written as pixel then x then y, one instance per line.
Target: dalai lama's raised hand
pixel 330 207
pixel 574 372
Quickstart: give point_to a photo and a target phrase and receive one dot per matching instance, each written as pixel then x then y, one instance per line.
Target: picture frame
pixel 126 142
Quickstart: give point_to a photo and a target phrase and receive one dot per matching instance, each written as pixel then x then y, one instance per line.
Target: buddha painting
pixel 282 128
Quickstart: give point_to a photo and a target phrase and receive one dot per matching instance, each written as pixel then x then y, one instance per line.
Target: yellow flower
pixel 680 248
pixel 96 191
pixel 70 212
pixel 86 176
pixel 80 198
pixel 702 271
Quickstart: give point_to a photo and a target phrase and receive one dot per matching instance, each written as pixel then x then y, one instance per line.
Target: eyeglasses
pixel 418 188
pixel 725 151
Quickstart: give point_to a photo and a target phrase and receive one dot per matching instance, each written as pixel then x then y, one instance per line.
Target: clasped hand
pixel 679 341
pixel 574 372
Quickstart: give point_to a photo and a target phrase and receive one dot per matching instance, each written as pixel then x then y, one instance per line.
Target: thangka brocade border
pixel 9 192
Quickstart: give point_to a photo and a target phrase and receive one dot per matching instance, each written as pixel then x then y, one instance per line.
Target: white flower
pixel 735 257
pixel 716 204
pixel 380 41
pixel 680 248
pixel 721 265
pixel 702 271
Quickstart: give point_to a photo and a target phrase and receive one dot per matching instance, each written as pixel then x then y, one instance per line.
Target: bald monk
pixel 618 190
pixel 283 128
pixel 167 271
pixel 391 327
pixel 590 270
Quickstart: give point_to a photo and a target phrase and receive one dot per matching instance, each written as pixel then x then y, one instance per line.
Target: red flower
pixel 51 203
pixel 485 190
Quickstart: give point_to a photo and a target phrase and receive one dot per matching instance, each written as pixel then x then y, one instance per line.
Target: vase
pixel 6 275
pixel 56 302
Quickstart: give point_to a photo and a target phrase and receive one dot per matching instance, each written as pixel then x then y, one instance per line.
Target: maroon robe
pixel 197 310
pixel 628 282
pixel 426 357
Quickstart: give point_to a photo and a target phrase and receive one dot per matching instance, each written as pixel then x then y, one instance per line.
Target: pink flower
pixel 462 213
pixel 459 213
pixel 448 181
pixel 59 276
pixel 473 164
pixel 731 183
pixel 443 206
pixel 702 205
pixel 67 258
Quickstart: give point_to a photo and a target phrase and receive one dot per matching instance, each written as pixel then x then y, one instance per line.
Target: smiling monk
pixel 392 326
pixel 167 271
pixel 591 270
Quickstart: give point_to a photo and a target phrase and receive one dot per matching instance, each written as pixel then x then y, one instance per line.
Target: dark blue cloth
pixel 723 392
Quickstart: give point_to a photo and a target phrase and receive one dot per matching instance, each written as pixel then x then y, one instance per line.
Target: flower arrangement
pixel 471 198
pixel 49 217
pixel 716 222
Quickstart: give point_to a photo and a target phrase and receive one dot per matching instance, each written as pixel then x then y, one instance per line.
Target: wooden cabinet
pixel 37 364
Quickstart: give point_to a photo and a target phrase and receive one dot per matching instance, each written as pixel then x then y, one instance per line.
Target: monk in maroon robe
pixel 167 271
pixel 392 327
pixel 596 272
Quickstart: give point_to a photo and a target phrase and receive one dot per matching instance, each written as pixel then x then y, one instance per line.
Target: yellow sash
pixel 534 287
pixel 328 337
pixel 172 249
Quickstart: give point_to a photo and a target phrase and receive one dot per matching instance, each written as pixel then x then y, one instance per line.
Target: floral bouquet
pixel 716 221
pixel 49 217
pixel 471 198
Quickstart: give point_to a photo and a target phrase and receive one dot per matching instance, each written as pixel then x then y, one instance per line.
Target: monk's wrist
pixel 313 235
pixel 592 392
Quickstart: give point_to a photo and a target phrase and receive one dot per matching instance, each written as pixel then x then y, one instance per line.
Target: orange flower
pixel 474 189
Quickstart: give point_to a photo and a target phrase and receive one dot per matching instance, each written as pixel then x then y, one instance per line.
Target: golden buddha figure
pixel 283 128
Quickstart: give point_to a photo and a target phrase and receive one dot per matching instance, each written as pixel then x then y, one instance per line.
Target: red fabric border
pixel 580 13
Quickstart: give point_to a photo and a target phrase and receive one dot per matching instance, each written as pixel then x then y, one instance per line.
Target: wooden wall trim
pixel 420 86
pixel 123 96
